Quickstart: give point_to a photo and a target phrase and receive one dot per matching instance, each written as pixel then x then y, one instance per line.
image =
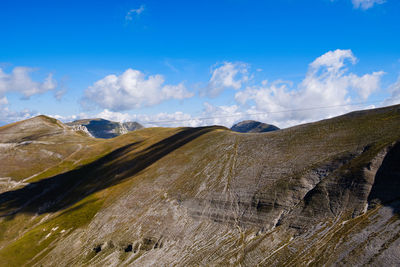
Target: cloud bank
pixel 328 89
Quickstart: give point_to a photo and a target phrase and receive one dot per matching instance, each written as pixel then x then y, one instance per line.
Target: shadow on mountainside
pixel 386 188
pixel 63 190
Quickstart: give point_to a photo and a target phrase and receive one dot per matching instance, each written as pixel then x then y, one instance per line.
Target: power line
pixel 265 113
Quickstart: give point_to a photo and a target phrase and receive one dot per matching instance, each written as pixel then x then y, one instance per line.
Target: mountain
pixel 101 128
pixel 250 126
pixel 27 147
pixel 323 193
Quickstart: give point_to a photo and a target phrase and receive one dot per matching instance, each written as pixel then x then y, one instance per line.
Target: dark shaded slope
pixel 36 128
pixel 29 147
pixel 386 187
pixel 55 193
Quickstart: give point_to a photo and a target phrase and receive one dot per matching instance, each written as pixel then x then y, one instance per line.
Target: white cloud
pixel 9 116
pixel 366 84
pixel 333 61
pixel 327 83
pixel 175 91
pixel 175 119
pixel 394 89
pixel 211 115
pixel 228 75
pixel 59 94
pixel 132 90
pixel 70 118
pixel 116 116
pixel 132 12
pixel 366 4
pixel 221 115
pixel 3 101
pixel 19 80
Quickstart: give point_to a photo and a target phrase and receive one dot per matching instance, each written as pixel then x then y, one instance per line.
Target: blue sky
pixel 174 62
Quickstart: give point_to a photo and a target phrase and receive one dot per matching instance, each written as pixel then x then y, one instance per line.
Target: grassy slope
pixel 30 233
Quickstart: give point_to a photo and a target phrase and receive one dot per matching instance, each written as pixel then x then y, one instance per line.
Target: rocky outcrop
pixel 250 126
pixel 81 128
pixel 101 128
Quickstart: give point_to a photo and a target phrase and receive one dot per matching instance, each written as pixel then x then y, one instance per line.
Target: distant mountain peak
pixel 250 126
pixel 102 128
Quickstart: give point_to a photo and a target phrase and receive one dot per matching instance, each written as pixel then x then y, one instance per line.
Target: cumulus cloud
pixel 19 80
pixel 132 89
pixel 327 83
pixel 327 78
pixel 366 4
pixel 137 11
pixel 228 75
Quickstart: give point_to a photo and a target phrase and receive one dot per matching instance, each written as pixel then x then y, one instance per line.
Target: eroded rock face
pixel 81 128
pixel 386 186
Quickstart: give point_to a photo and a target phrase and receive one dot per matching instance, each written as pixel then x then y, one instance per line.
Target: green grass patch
pixel 34 245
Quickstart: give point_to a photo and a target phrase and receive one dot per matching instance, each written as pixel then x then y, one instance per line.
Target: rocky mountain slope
pixel 325 193
pixel 253 127
pixel 101 128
